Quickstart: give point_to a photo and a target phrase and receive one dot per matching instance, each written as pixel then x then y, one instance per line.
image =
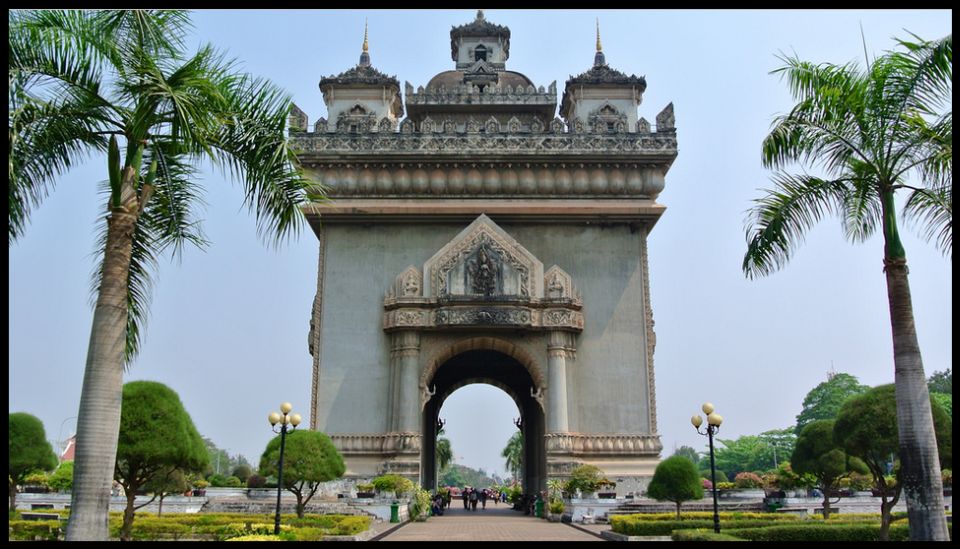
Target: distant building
pixel 70 450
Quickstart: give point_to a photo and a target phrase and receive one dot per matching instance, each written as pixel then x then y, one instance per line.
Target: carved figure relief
pixel 484 272
pixel 555 288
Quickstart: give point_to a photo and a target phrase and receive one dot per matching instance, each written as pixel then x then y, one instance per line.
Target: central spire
pixel 479 15
pixel 599 58
pixel 365 45
pixel 599 47
pixel 365 56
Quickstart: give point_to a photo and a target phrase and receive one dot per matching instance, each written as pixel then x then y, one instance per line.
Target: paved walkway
pixel 496 523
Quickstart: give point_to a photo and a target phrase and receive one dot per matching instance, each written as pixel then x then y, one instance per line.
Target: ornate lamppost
pixel 285 419
pixel 713 425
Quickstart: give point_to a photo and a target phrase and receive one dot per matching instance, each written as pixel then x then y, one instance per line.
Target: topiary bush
pixel 393 483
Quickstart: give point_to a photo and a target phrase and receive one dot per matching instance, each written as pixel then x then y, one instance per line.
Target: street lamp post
pixel 713 425
pixel 284 418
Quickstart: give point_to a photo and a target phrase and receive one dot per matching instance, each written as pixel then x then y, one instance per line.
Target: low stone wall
pixel 171 504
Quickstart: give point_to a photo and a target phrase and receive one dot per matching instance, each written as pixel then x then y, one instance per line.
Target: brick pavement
pixel 496 523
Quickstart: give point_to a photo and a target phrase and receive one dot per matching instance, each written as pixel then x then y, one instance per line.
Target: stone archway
pixel 502 370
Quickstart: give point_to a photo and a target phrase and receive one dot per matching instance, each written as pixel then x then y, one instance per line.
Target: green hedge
pixel 666 527
pixel 208 526
pixel 820 532
pixel 701 535
pixel 726 515
pixel 30 530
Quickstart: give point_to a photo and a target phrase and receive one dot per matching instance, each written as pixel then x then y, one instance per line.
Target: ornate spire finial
pixel 364 55
pixel 479 15
pixel 599 59
pixel 365 46
pixel 599 47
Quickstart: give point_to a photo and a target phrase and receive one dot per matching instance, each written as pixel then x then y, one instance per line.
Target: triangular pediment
pixel 483 262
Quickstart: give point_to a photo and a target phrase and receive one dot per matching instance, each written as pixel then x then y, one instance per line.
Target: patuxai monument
pixel 477 234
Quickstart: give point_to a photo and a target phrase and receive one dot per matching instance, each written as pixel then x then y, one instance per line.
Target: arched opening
pixel 500 370
pixel 480 54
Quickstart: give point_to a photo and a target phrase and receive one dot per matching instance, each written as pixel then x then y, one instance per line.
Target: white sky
pixel 228 327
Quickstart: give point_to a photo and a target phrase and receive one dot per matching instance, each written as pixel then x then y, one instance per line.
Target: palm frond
pixel 932 211
pixel 861 208
pixel 252 147
pixel 44 141
pixel 777 223
pixel 827 126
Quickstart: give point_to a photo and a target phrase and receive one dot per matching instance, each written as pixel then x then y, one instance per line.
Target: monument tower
pixel 481 238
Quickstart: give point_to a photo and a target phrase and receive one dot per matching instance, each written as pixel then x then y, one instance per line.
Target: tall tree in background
pixel 867 428
pixel 869 131
pixel 824 400
pixel 157 442
pixel 27 451
pixel 941 382
pixel 95 82
pixel 513 453
pixel 821 455
pixel 444 451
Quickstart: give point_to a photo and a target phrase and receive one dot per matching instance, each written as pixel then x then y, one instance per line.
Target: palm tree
pixel 444 451
pixel 869 131
pixel 92 82
pixel 513 452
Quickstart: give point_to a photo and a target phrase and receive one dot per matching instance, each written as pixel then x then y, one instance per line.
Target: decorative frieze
pixel 431 316
pixel 433 139
pixel 594 444
pixel 527 179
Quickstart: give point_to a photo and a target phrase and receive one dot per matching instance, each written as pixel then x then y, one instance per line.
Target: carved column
pixel 559 348
pixel 406 352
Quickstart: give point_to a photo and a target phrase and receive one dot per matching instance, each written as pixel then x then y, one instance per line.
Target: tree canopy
pixel 824 400
pixel 309 458
pixel 941 382
pixel 156 435
pixel 867 428
pixel 819 454
pixel 676 480
pixel 27 450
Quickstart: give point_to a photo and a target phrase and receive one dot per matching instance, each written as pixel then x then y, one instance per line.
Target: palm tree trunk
pixel 98 421
pixel 919 459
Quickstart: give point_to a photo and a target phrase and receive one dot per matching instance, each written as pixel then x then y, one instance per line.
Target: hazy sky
pixel 228 326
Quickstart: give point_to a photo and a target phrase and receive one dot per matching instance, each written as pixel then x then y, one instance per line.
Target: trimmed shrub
pixel 721 476
pixel 393 483
pixel 256 481
pixel 256 537
pixel 349 526
pixel 747 480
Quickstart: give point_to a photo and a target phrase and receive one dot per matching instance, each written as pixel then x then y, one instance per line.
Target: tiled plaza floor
pixel 496 523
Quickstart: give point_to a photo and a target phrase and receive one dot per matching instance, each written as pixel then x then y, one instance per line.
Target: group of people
pixel 471 498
